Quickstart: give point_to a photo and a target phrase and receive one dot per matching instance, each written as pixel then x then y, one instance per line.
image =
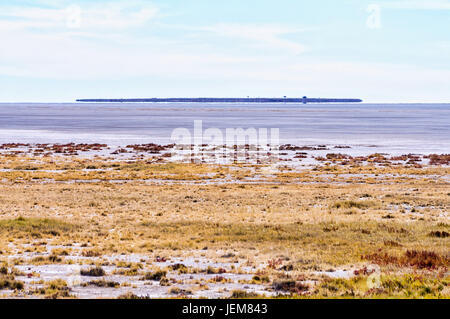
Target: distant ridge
pixel 303 100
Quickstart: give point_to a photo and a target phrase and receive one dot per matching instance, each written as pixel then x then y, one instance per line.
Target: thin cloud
pixel 266 36
pixel 120 15
pixel 271 35
pixel 417 5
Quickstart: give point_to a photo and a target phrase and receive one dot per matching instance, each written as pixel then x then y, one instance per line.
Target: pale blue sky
pixel 380 51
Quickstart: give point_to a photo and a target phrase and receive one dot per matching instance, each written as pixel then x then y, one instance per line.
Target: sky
pixel 380 51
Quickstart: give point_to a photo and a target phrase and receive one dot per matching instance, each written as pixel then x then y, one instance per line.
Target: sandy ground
pixel 92 221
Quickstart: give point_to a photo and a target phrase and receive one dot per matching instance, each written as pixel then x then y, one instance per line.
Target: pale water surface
pixel 369 128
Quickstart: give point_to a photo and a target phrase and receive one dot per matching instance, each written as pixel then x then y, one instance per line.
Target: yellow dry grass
pixel 313 223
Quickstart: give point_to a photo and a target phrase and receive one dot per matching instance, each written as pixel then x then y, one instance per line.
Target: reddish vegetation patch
pixel 412 258
pixel 289 147
pixel 49 149
pixel 8 146
pixel 409 159
pixel 435 159
pixel 363 271
pixel 160 259
pixel 338 156
pixel 218 279
pixel 274 263
pixel 150 148
pixel 301 155
pixel 291 286
pixel 119 151
pixel 377 158
pixel 69 149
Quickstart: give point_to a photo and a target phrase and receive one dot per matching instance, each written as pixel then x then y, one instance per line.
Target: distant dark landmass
pixel 303 100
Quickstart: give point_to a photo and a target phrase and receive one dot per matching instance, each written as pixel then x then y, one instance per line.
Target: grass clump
pixel 93 272
pixel 439 234
pixel 413 286
pixel 102 284
pixel 182 269
pixel 339 287
pixel 347 204
pixel 155 276
pixel 290 286
pixel 128 269
pixel 3 270
pixel 179 291
pixel 260 279
pixel 54 289
pixel 91 253
pixel 8 282
pixel 130 295
pixel 36 226
pixel 57 284
pixel 41 260
pixel 421 259
pixel 398 286
pixel 212 271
